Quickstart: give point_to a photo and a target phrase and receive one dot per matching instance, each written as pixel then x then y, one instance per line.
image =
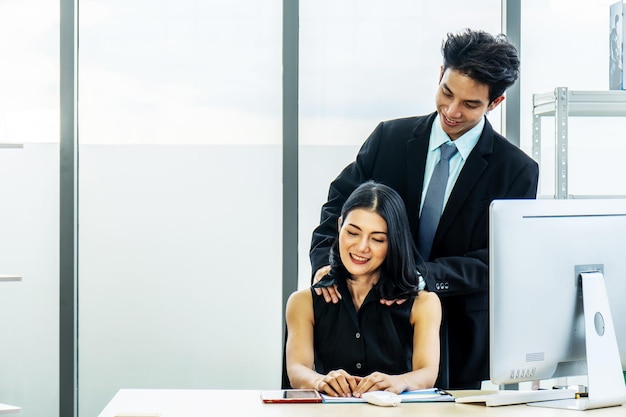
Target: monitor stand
pixel 605 379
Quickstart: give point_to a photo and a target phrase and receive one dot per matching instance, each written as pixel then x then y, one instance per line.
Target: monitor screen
pixel 538 250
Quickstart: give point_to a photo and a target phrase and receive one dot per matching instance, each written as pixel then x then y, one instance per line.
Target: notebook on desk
pixel 416 396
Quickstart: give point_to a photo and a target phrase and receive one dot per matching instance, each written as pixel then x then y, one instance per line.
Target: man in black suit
pixel 477 69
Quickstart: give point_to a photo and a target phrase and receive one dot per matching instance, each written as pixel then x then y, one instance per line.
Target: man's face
pixel 462 102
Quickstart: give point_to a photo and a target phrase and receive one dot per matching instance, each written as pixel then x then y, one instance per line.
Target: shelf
pixel 611 103
pixel 562 104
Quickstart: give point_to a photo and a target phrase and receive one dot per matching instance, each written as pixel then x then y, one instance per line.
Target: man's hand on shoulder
pixel 329 293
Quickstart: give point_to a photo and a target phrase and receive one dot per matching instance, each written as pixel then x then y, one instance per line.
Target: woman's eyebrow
pixel 357 227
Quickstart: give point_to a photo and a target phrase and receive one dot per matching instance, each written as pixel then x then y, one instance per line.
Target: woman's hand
pixel 337 383
pixel 377 381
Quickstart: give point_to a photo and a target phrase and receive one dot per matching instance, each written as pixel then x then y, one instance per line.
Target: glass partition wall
pixel 362 63
pixel 179 155
pixel 180 179
pixel 179 196
pixel 29 212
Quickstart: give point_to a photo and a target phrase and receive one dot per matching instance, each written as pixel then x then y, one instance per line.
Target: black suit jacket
pixel 395 155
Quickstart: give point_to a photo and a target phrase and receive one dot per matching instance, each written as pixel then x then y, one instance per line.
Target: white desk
pixel 225 403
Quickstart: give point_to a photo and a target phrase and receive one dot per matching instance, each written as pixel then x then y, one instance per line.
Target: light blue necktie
pixel 433 203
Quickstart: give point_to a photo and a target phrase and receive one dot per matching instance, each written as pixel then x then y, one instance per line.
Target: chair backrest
pixel 285 384
pixel 443 379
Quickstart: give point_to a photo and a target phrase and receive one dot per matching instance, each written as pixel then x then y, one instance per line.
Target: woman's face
pixel 363 242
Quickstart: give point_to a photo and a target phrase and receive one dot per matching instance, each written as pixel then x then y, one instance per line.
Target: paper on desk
pixel 416 396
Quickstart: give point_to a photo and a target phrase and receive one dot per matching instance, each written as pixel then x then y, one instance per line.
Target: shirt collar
pixel 464 144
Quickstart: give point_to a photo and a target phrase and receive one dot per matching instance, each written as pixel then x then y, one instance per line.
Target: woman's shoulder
pixel 299 304
pixel 425 303
pixel 427 296
pixel 300 296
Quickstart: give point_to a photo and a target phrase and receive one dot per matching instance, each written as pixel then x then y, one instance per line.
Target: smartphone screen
pixel 291 396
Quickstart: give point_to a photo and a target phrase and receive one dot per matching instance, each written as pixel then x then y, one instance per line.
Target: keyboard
pixel 518 397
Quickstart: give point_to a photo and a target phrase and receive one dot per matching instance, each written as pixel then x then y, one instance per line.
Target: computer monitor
pixel 542 252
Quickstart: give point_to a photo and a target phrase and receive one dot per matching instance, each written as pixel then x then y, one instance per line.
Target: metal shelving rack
pixel 562 104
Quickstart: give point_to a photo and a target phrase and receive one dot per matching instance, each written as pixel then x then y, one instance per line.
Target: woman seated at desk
pixel 362 344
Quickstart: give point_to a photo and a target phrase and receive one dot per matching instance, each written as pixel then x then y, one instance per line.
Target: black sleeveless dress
pixel 376 338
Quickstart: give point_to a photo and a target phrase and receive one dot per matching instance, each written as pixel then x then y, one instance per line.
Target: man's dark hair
pixel 488 59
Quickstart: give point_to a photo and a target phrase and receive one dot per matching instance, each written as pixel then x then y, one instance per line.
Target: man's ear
pixel 495 103
pixel 440 73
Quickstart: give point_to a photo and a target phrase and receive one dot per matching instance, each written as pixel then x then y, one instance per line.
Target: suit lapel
pixel 470 174
pixel 417 149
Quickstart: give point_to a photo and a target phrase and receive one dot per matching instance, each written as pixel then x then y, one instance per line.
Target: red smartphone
pixel 291 396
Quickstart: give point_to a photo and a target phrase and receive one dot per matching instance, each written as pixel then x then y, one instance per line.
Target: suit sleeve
pixel 350 178
pixel 458 275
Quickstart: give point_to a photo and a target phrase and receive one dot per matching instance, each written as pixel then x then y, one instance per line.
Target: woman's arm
pixel 299 350
pixel 426 320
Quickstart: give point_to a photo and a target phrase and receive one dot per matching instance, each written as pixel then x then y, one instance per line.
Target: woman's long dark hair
pixel 398 272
